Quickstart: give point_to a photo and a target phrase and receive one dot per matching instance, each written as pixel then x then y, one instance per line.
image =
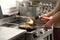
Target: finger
pixel 43 20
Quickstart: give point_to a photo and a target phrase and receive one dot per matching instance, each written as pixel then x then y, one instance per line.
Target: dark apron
pixel 56 33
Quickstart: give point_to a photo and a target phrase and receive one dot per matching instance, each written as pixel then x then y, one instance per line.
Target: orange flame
pixel 31 21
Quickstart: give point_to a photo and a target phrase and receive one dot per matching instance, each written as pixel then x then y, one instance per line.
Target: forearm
pixel 57 8
pixel 56 17
pixel 50 13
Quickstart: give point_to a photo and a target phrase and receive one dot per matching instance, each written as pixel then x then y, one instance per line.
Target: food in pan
pixel 25 25
pixel 31 22
pixel 28 24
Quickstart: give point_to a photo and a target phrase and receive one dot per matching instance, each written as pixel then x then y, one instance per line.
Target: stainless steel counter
pixel 47 34
pixel 8 33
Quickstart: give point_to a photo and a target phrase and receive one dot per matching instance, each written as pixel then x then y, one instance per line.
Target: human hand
pixel 45 18
pixel 48 25
pixel 44 15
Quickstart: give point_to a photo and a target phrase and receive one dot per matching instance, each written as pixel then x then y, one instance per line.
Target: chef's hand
pixel 48 20
pixel 44 17
pixel 48 25
pixel 55 18
pixel 47 15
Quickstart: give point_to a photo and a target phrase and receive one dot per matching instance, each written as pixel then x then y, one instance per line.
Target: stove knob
pixel 41 32
pixel 34 35
pixel 46 29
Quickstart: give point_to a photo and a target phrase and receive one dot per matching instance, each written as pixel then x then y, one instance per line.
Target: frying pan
pixel 29 28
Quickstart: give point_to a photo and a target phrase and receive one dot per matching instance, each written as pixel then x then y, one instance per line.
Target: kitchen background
pixel 15 13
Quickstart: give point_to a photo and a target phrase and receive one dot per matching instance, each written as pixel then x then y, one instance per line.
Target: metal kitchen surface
pixel 9 33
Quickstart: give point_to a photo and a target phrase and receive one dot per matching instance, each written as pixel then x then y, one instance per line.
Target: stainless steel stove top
pixel 30 35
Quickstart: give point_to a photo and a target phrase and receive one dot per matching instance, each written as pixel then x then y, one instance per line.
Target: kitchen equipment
pixel 27 27
pixel 10 25
pixel 38 34
pixel 1 15
pixel 12 33
pixel 31 34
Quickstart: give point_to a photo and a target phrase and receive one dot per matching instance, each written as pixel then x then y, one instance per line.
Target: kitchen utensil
pixel 27 27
